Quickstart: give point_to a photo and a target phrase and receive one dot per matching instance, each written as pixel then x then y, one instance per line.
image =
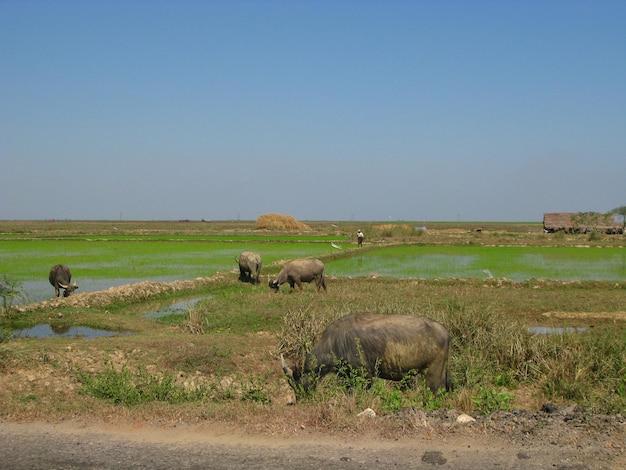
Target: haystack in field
pixel 279 222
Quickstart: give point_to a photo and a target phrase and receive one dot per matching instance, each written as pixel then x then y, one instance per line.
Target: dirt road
pixel 70 445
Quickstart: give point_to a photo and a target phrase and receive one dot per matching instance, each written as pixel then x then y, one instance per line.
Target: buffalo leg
pixel 437 374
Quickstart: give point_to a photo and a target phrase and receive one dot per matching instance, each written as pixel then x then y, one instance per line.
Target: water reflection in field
pixel 48 331
pixel 148 310
pixel 545 330
pixel 176 308
pixel 38 291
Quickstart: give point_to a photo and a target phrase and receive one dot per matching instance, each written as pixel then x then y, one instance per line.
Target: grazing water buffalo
pixel 387 346
pixel 298 271
pixel 249 266
pixel 60 277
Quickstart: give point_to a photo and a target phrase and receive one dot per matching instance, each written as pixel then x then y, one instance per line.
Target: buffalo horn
pixel 63 286
pixel 286 369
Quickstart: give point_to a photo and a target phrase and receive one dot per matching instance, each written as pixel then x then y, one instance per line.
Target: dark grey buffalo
pixel 249 266
pixel 297 271
pixel 60 277
pixel 387 346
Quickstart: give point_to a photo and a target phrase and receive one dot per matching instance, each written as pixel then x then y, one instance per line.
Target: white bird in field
pixel 335 246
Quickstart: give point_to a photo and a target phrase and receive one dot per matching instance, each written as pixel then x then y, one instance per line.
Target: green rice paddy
pixel 98 262
pixel 515 263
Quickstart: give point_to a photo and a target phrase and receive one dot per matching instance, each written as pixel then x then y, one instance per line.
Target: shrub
pixel 489 400
pixel 255 391
pixel 484 347
pixel 593 236
pixel 586 368
pixel 11 292
pixel 300 331
pixel 132 388
pixel 194 321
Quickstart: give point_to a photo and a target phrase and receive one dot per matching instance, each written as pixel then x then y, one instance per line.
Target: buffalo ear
pixel 287 370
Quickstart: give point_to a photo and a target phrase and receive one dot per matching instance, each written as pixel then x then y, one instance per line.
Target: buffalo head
pixel 296 376
pixel 68 288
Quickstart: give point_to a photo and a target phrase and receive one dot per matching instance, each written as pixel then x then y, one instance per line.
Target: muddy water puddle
pixel 150 310
pixel 179 307
pixel 546 330
pixel 48 331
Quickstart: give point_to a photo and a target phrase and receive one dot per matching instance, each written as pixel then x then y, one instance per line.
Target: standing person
pixel 359 237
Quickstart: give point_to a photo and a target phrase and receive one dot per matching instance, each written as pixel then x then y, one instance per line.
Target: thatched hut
pixel 580 222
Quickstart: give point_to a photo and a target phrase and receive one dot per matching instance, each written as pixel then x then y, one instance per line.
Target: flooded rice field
pixel 427 262
pixel 514 263
pixel 40 290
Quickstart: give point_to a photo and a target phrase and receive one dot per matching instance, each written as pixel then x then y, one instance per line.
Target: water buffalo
pixel 387 346
pixel 298 271
pixel 249 266
pixel 60 277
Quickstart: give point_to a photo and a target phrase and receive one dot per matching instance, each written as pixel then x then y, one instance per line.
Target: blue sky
pixel 347 110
